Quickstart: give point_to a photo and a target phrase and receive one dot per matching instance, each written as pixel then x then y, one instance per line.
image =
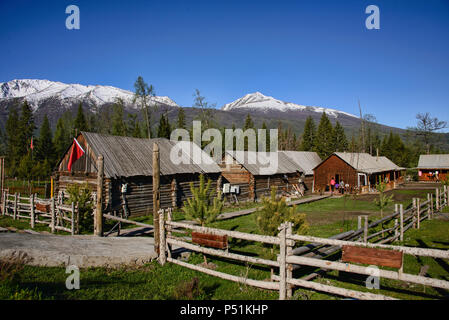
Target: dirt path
pixel 82 251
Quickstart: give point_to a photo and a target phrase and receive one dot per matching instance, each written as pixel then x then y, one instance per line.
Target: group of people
pixel 435 175
pixel 339 186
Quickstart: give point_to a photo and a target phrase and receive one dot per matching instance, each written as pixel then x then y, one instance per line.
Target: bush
pixel 274 212
pixel 81 194
pixel 202 207
pixel 412 173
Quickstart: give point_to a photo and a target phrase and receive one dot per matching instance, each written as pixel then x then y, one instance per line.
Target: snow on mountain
pixel 259 102
pixel 35 91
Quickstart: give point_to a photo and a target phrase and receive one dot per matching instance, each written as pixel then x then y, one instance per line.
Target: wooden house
pixel 128 161
pixel 360 171
pixel 255 173
pixel 306 160
pixel 433 167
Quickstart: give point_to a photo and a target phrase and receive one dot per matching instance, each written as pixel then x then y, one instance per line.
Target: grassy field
pixel 326 217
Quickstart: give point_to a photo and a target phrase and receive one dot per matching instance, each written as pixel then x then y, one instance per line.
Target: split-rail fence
pixel 51 212
pixel 314 253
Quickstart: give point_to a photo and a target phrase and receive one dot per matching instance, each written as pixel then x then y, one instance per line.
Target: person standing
pixel 332 182
pixel 342 187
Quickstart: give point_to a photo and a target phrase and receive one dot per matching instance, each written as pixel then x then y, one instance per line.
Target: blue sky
pixel 308 52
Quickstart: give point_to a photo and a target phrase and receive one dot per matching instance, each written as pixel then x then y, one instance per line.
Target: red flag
pixel 31 145
pixel 75 154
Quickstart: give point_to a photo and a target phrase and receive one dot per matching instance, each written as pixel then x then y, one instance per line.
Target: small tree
pixel 275 211
pixel 202 207
pixel 383 200
pixel 81 194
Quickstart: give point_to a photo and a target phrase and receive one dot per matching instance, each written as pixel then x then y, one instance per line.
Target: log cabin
pixel 306 160
pixel 255 173
pixel 128 161
pixel 360 171
pixel 433 167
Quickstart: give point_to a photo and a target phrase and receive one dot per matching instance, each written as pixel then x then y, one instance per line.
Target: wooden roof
pixel 126 156
pixel 433 161
pixel 265 163
pixel 307 160
pixel 366 163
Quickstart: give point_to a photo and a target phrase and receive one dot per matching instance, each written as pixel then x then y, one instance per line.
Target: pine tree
pixel 26 129
pixel 181 123
pixel 249 124
pixel 267 136
pixel 143 94
pixel 45 149
pixel 340 141
pixel 164 129
pixel 118 125
pixel 133 126
pixel 324 137
pixel 80 120
pixel 276 211
pixel 309 134
pixel 61 139
pixel 12 141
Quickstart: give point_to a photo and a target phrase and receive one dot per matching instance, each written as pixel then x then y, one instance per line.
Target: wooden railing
pixel 290 257
pixel 41 211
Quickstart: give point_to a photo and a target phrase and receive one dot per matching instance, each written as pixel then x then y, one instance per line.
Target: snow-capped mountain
pixel 37 91
pixel 257 102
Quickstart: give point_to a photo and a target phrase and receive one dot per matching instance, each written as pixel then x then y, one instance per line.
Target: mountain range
pixel 55 98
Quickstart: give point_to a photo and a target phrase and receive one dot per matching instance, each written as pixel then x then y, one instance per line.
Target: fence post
pixel 437 199
pixel 99 203
pixel 32 211
pixel 446 195
pixel 359 225
pixel 396 226
pixel 289 253
pixel 169 219
pixel 53 214
pixel 4 203
pixel 418 212
pixel 431 204
pixel 73 219
pixel 401 221
pixel 365 229
pixel 282 266
pixel 414 213
pixel 15 206
pixel 162 243
pixel 156 195
pixel 428 206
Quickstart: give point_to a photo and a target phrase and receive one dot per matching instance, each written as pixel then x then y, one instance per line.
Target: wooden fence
pixel 41 211
pixel 314 253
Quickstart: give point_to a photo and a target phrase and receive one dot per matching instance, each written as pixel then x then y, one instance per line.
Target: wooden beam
pixel 254 283
pixel 156 196
pixel 99 205
pixel 346 267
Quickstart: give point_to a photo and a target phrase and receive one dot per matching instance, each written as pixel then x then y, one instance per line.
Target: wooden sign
pixel 43 207
pixel 378 257
pixel 210 240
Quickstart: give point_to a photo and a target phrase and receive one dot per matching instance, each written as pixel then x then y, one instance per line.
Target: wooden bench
pixel 378 257
pixel 210 240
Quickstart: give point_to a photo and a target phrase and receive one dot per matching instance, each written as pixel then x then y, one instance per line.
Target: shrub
pixel 413 174
pixel 274 212
pixel 202 207
pixel 81 194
